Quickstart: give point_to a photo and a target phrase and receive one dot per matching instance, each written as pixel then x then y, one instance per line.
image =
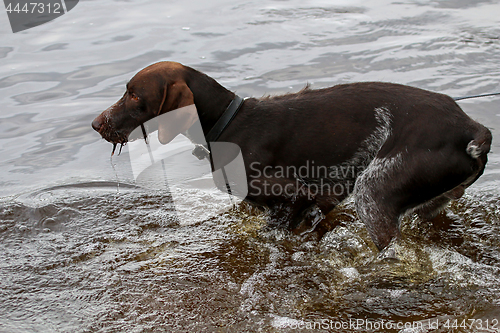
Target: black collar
pixel 224 120
pixel 200 151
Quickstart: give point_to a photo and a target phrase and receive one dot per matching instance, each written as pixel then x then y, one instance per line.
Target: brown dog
pixel 398 149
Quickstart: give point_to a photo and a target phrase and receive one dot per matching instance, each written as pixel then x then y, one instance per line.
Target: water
pixel 78 253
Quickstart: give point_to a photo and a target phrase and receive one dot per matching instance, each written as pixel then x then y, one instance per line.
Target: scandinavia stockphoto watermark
pixel 314 180
pixel 26 14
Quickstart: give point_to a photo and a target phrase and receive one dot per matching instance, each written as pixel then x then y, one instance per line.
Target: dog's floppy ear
pixel 176 96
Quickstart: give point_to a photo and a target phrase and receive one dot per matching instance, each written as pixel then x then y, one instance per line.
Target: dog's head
pixel 155 90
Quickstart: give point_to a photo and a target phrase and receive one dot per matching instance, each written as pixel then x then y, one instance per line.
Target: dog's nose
pixel 96 124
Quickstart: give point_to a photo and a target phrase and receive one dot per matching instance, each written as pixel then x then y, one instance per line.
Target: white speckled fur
pixel 371 145
pixel 367 188
pixel 378 171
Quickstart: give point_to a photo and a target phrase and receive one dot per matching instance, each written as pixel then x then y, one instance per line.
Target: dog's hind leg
pixel 372 200
pixel 432 208
pixel 422 182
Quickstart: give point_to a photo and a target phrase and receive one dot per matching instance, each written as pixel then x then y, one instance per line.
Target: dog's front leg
pixel 287 199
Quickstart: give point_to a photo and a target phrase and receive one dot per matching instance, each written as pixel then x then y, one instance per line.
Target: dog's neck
pixel 211 99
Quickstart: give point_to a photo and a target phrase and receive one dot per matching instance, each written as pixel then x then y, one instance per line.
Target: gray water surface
pixel 82 249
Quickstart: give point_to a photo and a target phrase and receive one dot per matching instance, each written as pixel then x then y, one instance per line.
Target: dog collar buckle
pixel 200 151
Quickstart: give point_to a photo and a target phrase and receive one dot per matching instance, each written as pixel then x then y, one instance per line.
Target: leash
pixel 475 96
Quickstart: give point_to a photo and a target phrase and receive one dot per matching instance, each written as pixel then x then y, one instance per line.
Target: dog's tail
pixel 478 149
pixel 481 144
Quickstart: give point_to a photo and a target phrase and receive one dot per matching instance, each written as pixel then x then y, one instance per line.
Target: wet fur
pixel 415 150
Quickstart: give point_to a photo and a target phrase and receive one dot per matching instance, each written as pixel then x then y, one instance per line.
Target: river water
pixel 82 249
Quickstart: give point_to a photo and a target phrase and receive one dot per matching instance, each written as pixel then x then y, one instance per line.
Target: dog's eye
pixel 134 97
